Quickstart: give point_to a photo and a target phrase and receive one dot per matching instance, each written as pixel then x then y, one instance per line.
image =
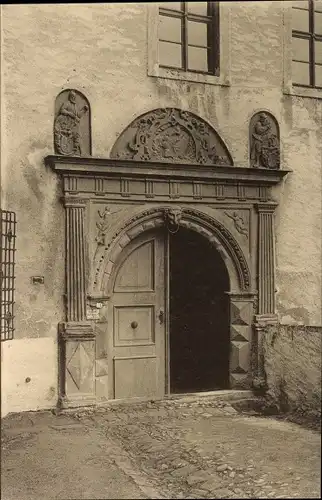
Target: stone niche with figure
pixel 264 138
pixel 72 125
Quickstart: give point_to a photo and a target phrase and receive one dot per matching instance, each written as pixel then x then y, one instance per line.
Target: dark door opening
pixel 199 315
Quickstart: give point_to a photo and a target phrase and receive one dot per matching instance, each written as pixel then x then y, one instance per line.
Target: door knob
pixel 134 324
pixel 161 316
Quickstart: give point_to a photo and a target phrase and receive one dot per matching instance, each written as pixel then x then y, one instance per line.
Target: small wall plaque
pixel 37 280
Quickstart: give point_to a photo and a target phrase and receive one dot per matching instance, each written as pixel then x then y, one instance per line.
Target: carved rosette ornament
pixel 264 140
pixel 174 136
pixel 72 124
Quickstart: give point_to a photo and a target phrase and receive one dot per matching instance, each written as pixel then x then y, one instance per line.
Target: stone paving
pixel 174 449
pixel 205 449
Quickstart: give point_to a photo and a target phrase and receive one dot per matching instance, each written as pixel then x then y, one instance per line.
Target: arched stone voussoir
pixel 188 217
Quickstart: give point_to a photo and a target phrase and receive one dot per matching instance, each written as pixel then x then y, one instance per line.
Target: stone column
pixel 75 261
pixel 77 339
pixel 266 259
pixel 266 314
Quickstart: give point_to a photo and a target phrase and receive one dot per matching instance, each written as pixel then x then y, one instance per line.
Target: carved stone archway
pixel 155 178
pixel 190 218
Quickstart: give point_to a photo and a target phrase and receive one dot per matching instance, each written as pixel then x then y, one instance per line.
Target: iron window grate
pixel 7 277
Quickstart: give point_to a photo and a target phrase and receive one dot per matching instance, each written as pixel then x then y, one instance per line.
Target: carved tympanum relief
pixel 72 124
pixel 264 141
pixel 171 135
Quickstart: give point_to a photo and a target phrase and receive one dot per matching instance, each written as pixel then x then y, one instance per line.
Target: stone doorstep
pixel 228 395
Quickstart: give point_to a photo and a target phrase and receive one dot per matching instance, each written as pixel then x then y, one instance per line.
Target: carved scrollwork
pixel 239 222
pixel 172 217
pixel 264 141
pixel 171 135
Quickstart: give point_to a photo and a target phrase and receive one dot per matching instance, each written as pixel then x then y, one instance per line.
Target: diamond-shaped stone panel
pixel 240 381
pixel 240 357
pixel 240 333
pixel 81 363
pixel 239 313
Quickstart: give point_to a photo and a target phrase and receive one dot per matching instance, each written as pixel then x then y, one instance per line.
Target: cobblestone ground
pixel 200 448
pixel 205 449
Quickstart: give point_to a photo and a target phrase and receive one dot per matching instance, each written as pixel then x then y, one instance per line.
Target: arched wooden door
pixel 137 320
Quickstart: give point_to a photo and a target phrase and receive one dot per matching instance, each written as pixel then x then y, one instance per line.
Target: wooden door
pixel 137 326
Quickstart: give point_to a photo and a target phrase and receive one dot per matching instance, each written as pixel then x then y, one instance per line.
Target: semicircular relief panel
pixel 171 135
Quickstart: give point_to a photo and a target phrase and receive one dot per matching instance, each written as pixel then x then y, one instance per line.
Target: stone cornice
pixel 81 166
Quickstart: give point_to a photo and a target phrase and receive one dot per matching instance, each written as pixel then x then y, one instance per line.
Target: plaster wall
pixel 293 367
pixel 28 375
pixel 102 50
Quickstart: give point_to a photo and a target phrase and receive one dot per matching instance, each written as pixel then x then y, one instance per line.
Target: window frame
pixel 154 69
pixel 312 37
pixel 287 42
pixel 212 19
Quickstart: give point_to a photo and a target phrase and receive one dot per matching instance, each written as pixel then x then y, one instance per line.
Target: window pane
pixel 197 33
pixel 318 76
pixel 300 49
pixel 170 28
pixel 318 5
pixel 301 73
pixel 170 5
pixel 199 8
pixel 170 54
pixel 318 52
pixel 303 4
pixel 318 23
pixel 300 20
pixel 197 59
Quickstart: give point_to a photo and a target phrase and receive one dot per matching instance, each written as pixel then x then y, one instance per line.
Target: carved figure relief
pixel 72 124
pixel 103 224
pixel 171 135
pixel 264 141
pixel 172 217
pixel 239 222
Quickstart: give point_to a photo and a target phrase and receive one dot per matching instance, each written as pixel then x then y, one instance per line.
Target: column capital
pixel 74 202
pixel 266 207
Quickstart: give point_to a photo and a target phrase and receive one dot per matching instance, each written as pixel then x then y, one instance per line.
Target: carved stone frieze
pixel 72 124
pixel 264 141
pixel 239 222
pixel 174 136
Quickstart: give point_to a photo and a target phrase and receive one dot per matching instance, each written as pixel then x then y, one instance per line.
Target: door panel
pixel 137 336
pixel 136 273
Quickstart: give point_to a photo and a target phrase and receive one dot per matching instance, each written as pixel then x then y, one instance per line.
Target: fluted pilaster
pixel 266 266
pixel 75 263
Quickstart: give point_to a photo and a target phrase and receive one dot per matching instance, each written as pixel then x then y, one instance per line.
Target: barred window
pixel 7 259
pixel 189 36
pixel 307 43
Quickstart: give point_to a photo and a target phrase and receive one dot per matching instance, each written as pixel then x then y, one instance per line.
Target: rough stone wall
pixel 102 50
pixel 293 367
